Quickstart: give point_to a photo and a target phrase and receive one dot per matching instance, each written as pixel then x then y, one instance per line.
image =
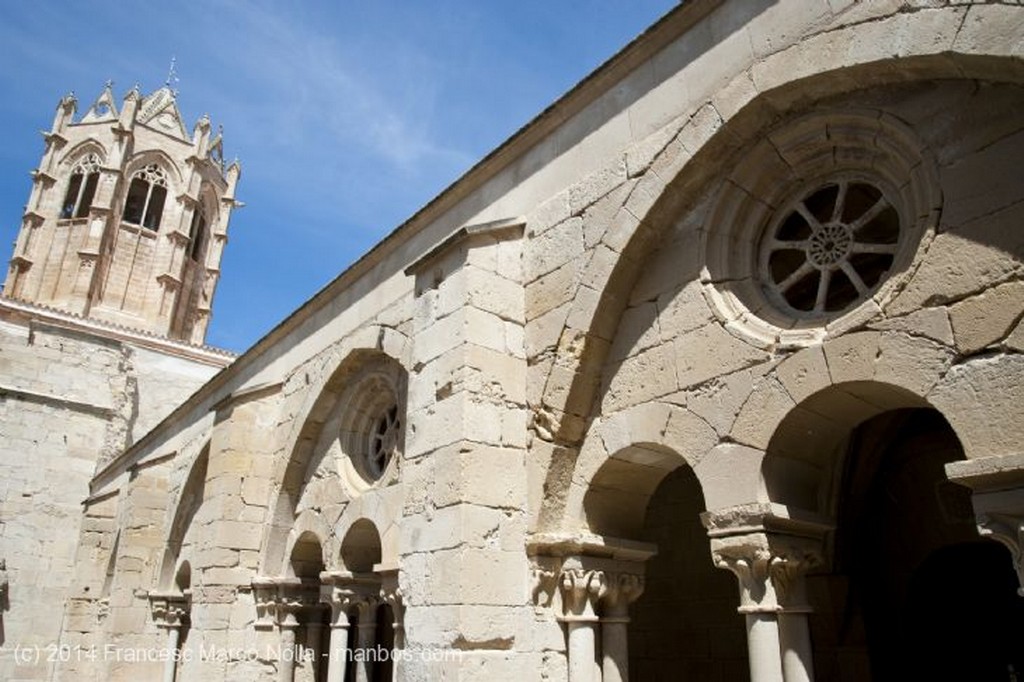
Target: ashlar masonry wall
pixel 70 399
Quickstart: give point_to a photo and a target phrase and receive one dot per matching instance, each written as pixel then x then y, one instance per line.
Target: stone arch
pixel 293 472
pixel 90 146
pixel 309 525
pixel 361 547
pixel 784 80
pixel 143 159
pixel 306 557
pixel 382 514
pixel 864 461
pixel 187 505
pixel 707 140
pixel 650 440
pixel 646 497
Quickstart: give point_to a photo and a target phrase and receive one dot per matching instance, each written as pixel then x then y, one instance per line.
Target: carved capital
pixel 581 589
pixel 279 600
pixel 618 591
pixel 544 584
pixel 1007 530
pixel 345 592
pixel 770 569
pixel 169 609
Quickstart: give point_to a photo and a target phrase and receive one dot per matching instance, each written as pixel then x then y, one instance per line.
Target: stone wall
pixel 69 399
pixel 551 370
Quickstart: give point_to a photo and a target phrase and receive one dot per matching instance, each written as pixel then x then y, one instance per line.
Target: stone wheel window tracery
pixel 364 430
pixel 831 249
pixel 383 442
pixel 817 225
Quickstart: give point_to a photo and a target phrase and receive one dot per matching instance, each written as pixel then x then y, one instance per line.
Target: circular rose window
pixel 814 228
pixel 383 442
pixel 831 249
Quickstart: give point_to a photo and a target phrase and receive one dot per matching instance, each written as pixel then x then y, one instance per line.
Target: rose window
pixel 831 250
pixel 383 442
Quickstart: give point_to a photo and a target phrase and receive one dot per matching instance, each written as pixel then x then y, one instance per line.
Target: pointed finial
pixel 109 84
pixel 172 75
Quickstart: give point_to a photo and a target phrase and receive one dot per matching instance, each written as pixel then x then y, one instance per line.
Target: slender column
pixel 338 655
pixel 391 593
pixel 758 605
pixel 580 590
pixel 620 591
pixel 366 631
pixel 286 660
pixel 788 576
pixel 169 611
pixel 170 667
pixel 312 657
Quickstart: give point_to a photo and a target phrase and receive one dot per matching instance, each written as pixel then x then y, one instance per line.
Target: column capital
pixel 770 568
pixel 344 591
pixel 1007 530
pixel 618 591
pixel 279 600
pixel 580 589
pixel 169 609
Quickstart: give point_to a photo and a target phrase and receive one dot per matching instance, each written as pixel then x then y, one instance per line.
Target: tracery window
pixel 831 249
pixel 85 176
pixel 384 437
pixel 147 194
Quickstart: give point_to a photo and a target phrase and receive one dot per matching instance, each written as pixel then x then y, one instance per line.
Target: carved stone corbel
pixel 1007 530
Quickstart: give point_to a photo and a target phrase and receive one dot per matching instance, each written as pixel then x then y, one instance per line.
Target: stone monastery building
pixel 714 371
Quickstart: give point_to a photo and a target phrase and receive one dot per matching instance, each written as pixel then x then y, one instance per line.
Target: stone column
pixel 619 591
pixel 366 632
pixel 337 657
pixel 758 605
pixel 580 590
pixel 788 576
pixel 170 609
pixel 391 594
pixel 288 623
pixel 769 554
pixel 345 591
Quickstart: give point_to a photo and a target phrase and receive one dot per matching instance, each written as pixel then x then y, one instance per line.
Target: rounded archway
pixel 875 468
pixel 361 548
pixel 684 624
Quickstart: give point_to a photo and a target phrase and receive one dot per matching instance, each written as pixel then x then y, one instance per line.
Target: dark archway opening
pixel 914 592
pixel 685 625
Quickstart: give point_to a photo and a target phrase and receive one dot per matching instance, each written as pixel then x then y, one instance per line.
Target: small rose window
pixel 383 442
pixel 831 249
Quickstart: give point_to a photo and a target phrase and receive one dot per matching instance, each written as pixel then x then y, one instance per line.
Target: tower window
pixel 146 196
pixel 197 235
pixel 85 176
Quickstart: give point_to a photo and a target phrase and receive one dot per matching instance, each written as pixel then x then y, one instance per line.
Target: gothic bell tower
pixel 127 218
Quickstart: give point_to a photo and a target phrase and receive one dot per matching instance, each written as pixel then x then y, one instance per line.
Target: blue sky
pixel 347 116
